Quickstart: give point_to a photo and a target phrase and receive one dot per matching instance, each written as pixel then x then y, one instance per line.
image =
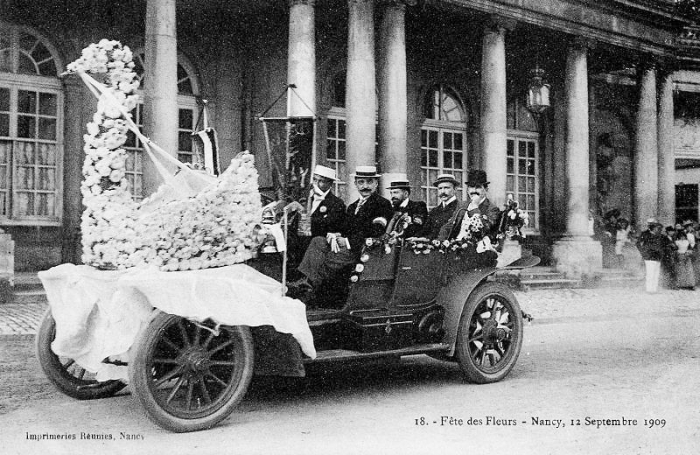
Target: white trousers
pixel 653 268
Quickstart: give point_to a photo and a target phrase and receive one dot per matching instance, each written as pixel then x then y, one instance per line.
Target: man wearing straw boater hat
pixel 325 210
pixel 324 213
pixel 409 216
pixel 366 217
pixel 446 185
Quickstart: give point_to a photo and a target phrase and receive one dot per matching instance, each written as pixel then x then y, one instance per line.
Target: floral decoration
pixel 217 226
pixel 514 220
pixel 471 237
pixel 107 224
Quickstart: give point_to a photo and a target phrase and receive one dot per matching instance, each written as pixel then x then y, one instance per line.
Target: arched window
pixel 442 104
pixel 443 140
pixel 188 90
pixel 31 128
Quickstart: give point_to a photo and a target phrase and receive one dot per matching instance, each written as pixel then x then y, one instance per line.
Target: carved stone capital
pixel 302 2
pixel 581 43
pixel 401 4
pixel 648 63
pixel 499 24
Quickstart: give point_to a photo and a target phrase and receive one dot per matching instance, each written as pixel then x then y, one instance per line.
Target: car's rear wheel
pixel 490 334
pixel 69 377
pixel 190 376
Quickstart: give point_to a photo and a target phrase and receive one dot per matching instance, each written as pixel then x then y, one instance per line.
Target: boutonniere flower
pixel 323 209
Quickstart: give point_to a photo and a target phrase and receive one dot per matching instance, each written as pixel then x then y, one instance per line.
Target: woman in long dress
pixel 628 257
pixel 685 275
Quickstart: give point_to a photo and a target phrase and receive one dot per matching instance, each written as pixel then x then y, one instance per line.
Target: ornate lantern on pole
pixel 538 92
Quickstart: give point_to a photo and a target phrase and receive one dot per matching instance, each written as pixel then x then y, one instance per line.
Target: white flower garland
pixel 216 227
pixel 107 224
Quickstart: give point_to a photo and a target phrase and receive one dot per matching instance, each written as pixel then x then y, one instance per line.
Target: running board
pixel 333 355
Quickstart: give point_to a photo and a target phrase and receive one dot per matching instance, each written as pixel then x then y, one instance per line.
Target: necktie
pixel 359 204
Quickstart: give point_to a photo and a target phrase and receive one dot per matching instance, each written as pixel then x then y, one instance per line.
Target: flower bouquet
pixel 472 237
pixel 514 219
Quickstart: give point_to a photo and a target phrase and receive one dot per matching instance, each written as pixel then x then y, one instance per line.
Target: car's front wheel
pixel 69 377
pixel 190 376
pixel 490 334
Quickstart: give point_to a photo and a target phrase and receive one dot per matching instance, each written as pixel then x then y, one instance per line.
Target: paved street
pixel 20 319
pixel 590 359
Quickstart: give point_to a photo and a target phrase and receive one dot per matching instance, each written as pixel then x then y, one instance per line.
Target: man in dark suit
pixel 439 215
pixel 409 216
pixel 325 210
pixel 477 186
pixel 651 245
pixel 366 217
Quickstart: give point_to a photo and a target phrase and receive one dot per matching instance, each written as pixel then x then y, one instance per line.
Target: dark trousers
pixel 320 263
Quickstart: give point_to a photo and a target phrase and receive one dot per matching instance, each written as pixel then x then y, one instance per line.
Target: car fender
pixel 453 296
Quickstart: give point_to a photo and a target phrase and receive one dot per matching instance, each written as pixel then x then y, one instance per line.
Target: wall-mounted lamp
pixel 538 92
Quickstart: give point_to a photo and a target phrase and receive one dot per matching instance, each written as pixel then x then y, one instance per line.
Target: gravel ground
pixel 548 305
pixel 542 304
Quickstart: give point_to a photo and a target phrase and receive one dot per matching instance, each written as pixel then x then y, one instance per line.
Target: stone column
pixel 577 254
pixel 301 69
pixel 667 163
pixel 160 91
pixel 229 103
pixel 392 94
pixel 493 108
pixel 361 98
pixel 76 102
pixel 559 198
pixel 646 160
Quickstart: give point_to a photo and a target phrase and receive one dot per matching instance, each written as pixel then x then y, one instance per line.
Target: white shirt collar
pixel 404 204
pixel 319 195
pixel 449 201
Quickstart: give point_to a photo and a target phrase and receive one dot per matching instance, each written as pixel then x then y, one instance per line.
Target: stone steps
pixel 27 290
pixel 549 278
pixel 559 283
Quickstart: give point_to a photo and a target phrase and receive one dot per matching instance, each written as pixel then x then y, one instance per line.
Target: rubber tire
pixel 58 374
pixel 139 377
pixel 471 371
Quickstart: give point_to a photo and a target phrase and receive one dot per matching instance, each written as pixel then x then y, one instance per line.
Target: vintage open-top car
pixel 189 368
pixel 190 375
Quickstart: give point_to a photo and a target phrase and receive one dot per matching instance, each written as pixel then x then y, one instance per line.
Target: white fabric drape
pixel 99 313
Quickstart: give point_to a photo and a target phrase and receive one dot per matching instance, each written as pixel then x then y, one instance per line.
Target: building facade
pixel 417 87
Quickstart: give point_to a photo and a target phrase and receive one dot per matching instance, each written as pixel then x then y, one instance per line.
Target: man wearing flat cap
pixel 366 217
pixel 446 185
pixel 477 186
pixel 409 216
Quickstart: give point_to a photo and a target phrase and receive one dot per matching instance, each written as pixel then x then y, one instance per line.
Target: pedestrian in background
pixel 668 259
pixel 685 276
pixel 608 240
pixel 651 247
pixel 621 241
